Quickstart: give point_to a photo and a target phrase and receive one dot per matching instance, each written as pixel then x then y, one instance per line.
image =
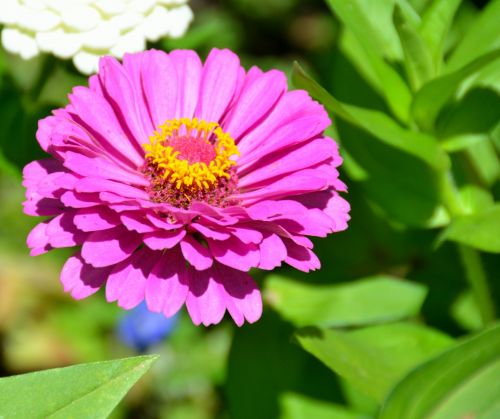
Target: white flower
pixel 87 29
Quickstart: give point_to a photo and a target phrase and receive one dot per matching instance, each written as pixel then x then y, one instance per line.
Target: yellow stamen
pixel 181 173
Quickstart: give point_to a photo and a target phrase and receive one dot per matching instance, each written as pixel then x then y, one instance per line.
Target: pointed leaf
pixel 436 23
pixel 480 230
pixel 417 58
pixel 356 17
pixel 80 391
pixel 366 301
pixel 460 382
pixel 375 358
pixel 431 98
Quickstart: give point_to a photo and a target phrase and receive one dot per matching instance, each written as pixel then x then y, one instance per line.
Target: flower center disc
pixel 190 159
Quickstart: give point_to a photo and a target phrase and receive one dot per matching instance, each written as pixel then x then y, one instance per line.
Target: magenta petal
pixel 137 221
pixel 160 240
pixel 127 280
pixel 62 231
pixel 255 101
pixel 206 298
pixel 218 84
pixel 272 252
pixel 243 299
pixel 301 258
pixel 168 284
pixel 37 240
pixel 196 254
pixel 189 69
pixel 124 97
pixel 107 247
pixel 80 279
pixel 95 219
pixel 234 253
pixel 159 81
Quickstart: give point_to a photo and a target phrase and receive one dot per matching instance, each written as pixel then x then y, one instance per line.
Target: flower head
pixel 177 177
pixel 87 29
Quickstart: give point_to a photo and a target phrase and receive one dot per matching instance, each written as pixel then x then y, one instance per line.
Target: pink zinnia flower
pixel 177 177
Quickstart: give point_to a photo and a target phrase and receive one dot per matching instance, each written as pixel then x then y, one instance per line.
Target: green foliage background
pixel 400 320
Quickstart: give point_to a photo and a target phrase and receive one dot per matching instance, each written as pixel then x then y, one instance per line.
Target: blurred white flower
pixel 87 29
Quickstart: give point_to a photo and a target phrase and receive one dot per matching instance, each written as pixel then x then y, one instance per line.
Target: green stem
pixel 471 258
pixel 474 272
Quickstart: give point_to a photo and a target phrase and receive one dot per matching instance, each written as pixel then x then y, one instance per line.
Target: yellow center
pixel 176 168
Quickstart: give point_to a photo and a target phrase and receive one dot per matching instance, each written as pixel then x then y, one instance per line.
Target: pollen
pixel 189 159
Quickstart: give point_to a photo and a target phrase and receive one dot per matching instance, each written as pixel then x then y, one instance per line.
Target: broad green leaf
pixel 355 15
pixel 466 313
pixel 461 142
pixel 480 230
pixel 80 391
pixel 417 59
pixel 376 123
pixel 375 358
pixel 436 22
pixel 367 301
pixel 431 98
pixel 482 36
pixel 485 161
pixel 460 382
pixel 297 406
pixel 475 199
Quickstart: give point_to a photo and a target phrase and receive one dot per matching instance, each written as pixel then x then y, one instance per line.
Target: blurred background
pixel 222 371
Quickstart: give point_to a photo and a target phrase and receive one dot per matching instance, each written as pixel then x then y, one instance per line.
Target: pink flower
pixel 176 178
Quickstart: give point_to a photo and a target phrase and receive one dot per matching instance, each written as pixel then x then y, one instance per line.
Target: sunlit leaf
pixel 431 98
pixel 367 301
pixel 375 358
pixel 480 230
pixel 461 382
pixel 80 391
pixel 356 17
pixel 482 36
pixel 436 22
pixel 417 58
pixel 296 406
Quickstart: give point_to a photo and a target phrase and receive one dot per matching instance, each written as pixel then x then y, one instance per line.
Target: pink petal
pixel 159 81
pixel 196 254
pixel 99 118
pixel 123 96
pixel 300 257
pixel 272 252
pixel 37 239
pixel 189 70
pixel 205 300
pixel 168 284
pixel 95 219
pixel 89 185
pixel 62 231
pixel 107 247
pixel 234 253
pixel 160 240
pixel 257 98
pixel 127 281
pixel 243 299
pixel 137 221
pixel 218 84
pixel 80 279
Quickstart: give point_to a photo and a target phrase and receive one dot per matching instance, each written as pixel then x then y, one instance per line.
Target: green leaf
pixel 366 301
pixel 461 382
pixel 375 358
pixel 481 230
pixel 465 312
pixel 376 123
pixel 482 36
pixel 355 15
pixel 485 161
pixel 461 142
pixel 431 98
pixel 385 148
pixel 417 59
pixel 80 391
pixel 297 406
pixel 436 23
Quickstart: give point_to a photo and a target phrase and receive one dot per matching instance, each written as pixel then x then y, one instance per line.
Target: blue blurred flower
pixel 140 328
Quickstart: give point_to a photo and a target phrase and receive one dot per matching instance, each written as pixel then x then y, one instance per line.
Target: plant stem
pixel 476 276
pixel 471 258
